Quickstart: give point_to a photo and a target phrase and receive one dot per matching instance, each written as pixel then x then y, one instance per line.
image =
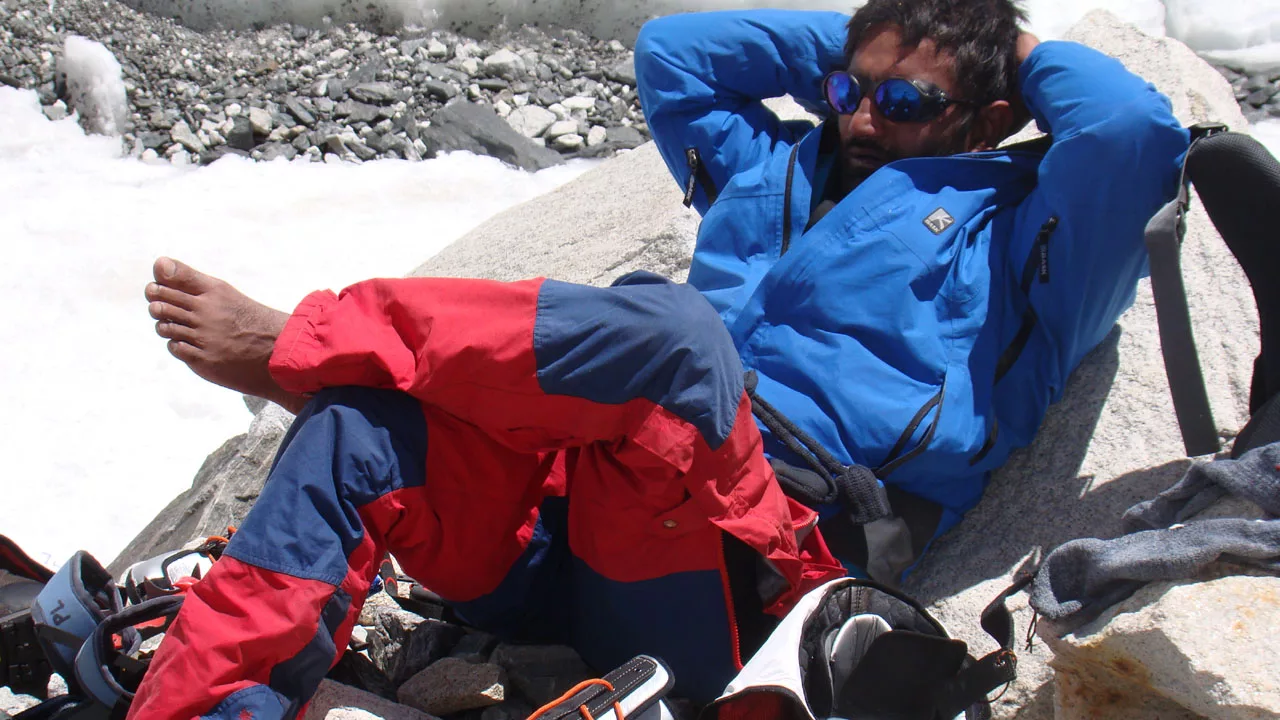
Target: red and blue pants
pixel 562 463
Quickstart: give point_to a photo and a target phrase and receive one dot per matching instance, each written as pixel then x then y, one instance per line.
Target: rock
pixel 561 127
pixel 409 48
pixel 1113 438
pixel 376 605
pixel 360 149
pixel 181 134
pixel 221 494
pixel 579 102
pixel 274 150
pixel 358 671
pixel 437 49
pixel 568 143
pixel 241 134
pixel 545 96
pixel 334 701
pixel 597 136
pixel 464 125
pixel 153 140
pixel 299 111
pixel 94 86
pixel 440 90
pixel 452 685
pixel 563 233
pixel 623 71
pixel 504 63
pixel 260 121
pixel 356 111
pixel 627 137
pixel 541 672
pixel 1261 97
pixel 531 120
pixel 476 646
pixel 211 156
pixel 401 644
pixel 509 710
pixel 1195 650
pixel 324 105
pixel 56 111
pixel 380 93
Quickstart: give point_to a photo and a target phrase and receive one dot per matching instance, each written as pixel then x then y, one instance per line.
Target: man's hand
pixel 1021 115
pixel 1026 43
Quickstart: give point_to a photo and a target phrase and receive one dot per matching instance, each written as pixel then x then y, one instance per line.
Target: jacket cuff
pixel 298 346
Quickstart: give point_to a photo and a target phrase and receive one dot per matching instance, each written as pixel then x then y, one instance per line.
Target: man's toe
pixel 171 313
pixel 170 273
pixel 176 331
pixel 184 351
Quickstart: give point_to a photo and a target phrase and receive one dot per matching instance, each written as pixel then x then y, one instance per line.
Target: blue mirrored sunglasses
pixel 898 99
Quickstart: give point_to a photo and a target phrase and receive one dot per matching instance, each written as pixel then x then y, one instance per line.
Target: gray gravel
pixel 343 90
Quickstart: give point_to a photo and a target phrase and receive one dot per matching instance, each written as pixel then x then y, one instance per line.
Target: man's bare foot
pixel 222 335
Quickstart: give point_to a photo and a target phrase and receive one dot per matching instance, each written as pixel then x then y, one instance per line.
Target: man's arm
pixel 1115 160
pixel 701 77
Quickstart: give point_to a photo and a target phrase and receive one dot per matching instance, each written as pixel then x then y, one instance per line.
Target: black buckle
pixel 1205 129
pixel 23 665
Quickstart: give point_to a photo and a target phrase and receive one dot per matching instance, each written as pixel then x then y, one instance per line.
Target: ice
pixel 95 86
pixel 101 428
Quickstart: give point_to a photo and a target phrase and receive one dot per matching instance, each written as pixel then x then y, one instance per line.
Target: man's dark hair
pixel 982 36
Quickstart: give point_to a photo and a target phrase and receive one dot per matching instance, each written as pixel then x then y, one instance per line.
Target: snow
pixel 95 84
pixel 102 428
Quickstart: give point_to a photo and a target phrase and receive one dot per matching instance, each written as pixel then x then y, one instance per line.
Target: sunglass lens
pixel 843 92
pixel 900 101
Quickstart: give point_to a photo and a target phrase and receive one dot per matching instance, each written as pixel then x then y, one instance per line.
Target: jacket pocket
pixel 929 415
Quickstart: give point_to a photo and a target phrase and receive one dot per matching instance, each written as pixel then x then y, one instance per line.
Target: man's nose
pixel 864 122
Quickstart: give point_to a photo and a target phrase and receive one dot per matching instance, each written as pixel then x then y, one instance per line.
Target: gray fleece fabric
pixel 1081 578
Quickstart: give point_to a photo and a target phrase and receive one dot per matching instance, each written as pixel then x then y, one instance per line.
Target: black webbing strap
pixel 828 481
pixel 1164 235
pixel 969 689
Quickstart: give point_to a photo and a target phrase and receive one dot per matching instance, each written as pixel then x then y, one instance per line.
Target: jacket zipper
pixel 698 175
pixel 1037 266
pixel 786 200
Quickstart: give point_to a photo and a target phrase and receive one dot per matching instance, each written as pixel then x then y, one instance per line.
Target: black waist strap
pixel 827 481
pixel 880 529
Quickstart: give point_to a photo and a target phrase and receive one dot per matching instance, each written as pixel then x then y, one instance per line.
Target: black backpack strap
pixel 827 480
pixel 1163 235
pixel 881 529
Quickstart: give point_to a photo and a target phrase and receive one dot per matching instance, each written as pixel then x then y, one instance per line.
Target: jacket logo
pixel 938 221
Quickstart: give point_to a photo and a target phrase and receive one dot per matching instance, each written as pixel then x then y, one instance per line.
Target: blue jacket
pixel 928 356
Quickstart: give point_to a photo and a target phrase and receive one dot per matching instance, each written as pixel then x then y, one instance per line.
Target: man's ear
pixel 991 125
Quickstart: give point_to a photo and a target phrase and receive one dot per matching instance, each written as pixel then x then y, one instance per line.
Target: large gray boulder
pixel 221 494
pixel 1112 441
pixel 625 215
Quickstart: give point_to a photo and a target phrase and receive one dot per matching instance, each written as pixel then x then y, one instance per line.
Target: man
pixel 911 310
pixel 581 465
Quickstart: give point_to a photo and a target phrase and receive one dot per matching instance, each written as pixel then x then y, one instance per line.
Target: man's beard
pixel 860 158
